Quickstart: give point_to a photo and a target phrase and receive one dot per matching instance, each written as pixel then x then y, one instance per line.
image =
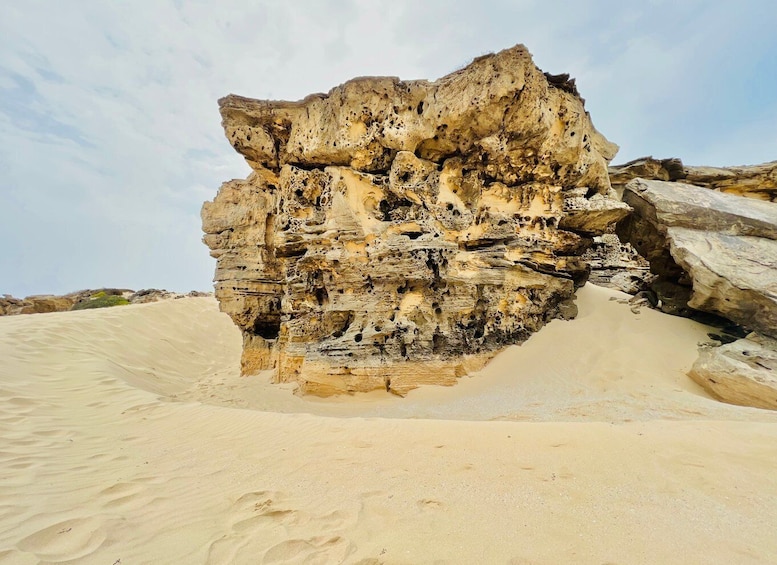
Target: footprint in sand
pixel 264 506
pixel 268 519
pixel 313 550
pixel 430 504
pixel 65 541
pixel 257 520
pixel 122 496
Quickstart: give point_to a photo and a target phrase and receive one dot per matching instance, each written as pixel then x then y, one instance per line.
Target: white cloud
pixel 109 130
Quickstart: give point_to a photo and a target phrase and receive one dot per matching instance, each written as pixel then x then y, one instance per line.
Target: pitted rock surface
pixel 398 233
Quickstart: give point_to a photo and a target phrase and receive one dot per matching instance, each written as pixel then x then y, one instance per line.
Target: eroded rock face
pixel 752 181
pixel 721 248
pixel 397 233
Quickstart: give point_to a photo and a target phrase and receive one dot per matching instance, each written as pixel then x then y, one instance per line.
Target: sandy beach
pixel 129 437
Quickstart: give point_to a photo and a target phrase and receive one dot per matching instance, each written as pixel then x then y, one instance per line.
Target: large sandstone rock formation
pixel 395 233
pixel 752 181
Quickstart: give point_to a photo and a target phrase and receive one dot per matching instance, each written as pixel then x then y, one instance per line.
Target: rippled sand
pixel 128 437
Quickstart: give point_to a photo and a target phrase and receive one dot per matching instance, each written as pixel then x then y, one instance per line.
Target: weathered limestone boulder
pixel 752 181
pixel 36 304
pixel 9 305
pixel 617 270
pixel 721 247
pixel 398 233
pixel 743 372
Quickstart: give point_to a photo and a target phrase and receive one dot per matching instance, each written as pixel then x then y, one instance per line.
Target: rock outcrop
pixel 396 233
pixel 36 304
pixel 713 251
pixel 743 372
pixel 752 181
pixel 614 266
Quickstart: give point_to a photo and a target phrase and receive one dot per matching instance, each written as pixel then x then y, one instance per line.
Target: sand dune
pixel 126 439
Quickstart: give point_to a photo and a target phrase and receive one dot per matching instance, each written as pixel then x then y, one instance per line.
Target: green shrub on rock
pixel 101 302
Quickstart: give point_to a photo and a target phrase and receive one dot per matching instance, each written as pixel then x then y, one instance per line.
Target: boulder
pixel 36 304
pixel 44 304
pixel 732 276
pixel 720 247
pixel 743 372
pixel 397 233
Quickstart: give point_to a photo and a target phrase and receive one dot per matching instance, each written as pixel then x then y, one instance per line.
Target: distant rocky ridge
pixel 41 304
pixel 398 233
pixel 751 181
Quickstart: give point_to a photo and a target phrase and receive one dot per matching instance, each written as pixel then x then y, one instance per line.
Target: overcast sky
pixel 110 136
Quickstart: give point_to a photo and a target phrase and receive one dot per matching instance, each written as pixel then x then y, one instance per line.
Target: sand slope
pixel 124 441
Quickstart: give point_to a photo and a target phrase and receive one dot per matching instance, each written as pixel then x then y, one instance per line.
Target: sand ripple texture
pixel 128 437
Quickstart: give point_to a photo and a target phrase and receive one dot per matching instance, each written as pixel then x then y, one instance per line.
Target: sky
pixel 110 136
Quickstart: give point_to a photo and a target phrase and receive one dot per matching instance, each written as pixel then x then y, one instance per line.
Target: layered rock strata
pixel 397 233
pixel 752 181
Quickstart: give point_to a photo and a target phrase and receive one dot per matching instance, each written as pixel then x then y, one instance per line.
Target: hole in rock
pixel 438 343
pixel 268 327
pixel 345 323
